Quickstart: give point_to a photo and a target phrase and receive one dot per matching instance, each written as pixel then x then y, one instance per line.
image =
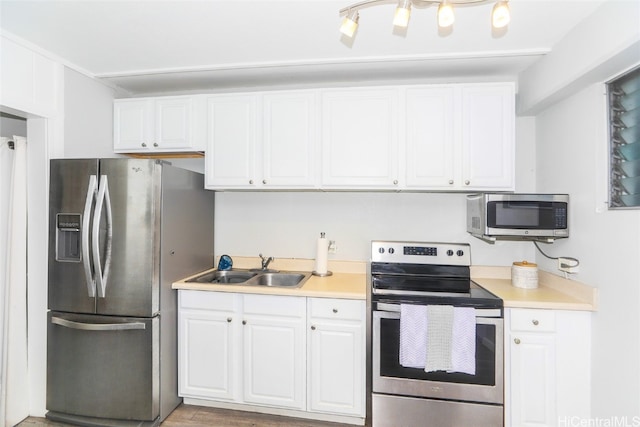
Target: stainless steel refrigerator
pixel 120 232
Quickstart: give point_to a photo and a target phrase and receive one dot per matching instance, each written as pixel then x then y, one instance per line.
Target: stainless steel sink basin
pixel 253 278
pixel 288 280
pixel 224 277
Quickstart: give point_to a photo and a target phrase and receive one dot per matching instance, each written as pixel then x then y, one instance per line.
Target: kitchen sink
pixel 224 277
pixel 288 280
pixel 253 278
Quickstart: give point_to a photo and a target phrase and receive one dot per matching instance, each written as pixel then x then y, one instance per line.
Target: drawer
pixel 274 305
pixel 205 300
pixel 533 320
pixel 331 308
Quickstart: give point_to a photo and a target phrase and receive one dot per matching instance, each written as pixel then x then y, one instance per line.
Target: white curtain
pixel 14 398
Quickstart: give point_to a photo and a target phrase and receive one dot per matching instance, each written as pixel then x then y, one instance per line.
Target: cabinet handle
pixel 395 182
pixel 155 144
pixel 335 310
pixel 229 319
pixel 467 182
pixel 244 322
pixel 251 181
pixel 516 340
pixel 451 181
pixel 535 322
pixel 264 181
pixel 313 328
pixel 144 144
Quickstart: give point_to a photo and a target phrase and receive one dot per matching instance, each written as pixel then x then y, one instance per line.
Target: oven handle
pixel 385 307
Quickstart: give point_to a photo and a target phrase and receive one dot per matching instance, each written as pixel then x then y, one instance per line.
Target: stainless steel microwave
pixel 518 216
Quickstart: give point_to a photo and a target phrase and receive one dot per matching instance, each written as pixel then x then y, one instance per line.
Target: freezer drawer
pixel 103 366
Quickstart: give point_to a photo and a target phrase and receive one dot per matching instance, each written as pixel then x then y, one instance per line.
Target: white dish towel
pixel 439 338
pixel 463 354
pixel 413 335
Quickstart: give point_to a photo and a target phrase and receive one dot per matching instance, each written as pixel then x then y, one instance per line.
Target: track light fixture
pixel 350 23
pixel 500 15
pixel 403 12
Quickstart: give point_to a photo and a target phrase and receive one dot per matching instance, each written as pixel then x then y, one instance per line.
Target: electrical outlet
pixel 332 247
pixel 567 265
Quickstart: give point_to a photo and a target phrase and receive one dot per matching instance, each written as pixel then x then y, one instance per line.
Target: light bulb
pixel 445 14
pixel 350 24
pixel 500 16
pixel 403 12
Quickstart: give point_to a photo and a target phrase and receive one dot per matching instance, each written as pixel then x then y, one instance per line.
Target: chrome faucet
pixel 266 261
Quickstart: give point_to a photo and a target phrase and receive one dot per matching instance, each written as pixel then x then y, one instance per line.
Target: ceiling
pixel 151 47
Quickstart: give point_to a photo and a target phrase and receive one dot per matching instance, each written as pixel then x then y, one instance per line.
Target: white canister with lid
pixel 524 275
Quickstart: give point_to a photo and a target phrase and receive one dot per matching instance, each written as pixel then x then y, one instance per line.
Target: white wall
pixel 566 91
pixel 10 125
pixel 88 121
pixel 571 148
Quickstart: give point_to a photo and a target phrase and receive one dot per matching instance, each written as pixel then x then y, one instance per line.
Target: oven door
pixel 390 377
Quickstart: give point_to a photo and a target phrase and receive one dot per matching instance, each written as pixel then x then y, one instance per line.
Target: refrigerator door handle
pixel 86 219
pixel 103 198
pixel 97 326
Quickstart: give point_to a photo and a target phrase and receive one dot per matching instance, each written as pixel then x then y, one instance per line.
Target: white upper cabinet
pixel 360 138
pixel 231 141
pixel 430 138
pixel 451 137
pixel 29 82
pixel 488 136
pixel 165 124
pixel 460 137
pixel 265 141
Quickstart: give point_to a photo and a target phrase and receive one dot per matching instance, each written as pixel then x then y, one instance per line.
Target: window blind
pixel 624 137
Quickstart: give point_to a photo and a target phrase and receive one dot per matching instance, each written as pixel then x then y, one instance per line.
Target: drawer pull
pixel 516 340
pixel 535 322
pixel 313 328
pixel 229 319
pixel 244 322
pixel 335 310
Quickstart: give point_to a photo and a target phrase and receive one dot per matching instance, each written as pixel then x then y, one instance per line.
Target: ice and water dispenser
pixel 68 237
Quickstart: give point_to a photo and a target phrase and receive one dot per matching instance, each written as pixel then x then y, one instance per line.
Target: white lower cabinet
pixel 547 367
pixel 273 330
pixel 293 353
pixel 336 356
pixel 209 346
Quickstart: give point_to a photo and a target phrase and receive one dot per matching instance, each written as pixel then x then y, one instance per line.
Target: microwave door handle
pixel 103 199
pixel 86 221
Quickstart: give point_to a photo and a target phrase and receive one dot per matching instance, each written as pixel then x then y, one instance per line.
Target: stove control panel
pixel 421 253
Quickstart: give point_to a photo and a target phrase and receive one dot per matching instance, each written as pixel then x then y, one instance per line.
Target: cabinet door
pixel 532 379
pixel 274 350
pixel 288 144
pixel 231 141
pixel 336 367
pixel 359 138
pixel 488 135
pixel 209 330
pixel 173 123
pixel 133 125
pixel 430 148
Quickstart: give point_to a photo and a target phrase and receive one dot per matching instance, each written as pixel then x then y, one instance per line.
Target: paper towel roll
pixel 322 252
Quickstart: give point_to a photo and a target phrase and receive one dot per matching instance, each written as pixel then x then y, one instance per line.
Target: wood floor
pixel 199 416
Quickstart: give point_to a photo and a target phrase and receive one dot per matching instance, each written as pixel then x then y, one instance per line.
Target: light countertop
pixel 349 282
pixel 553 292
